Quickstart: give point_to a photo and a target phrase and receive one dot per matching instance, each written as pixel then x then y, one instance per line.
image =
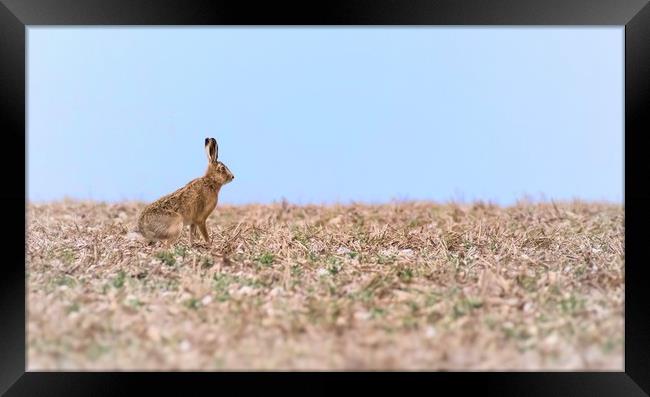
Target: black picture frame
pixel 17 15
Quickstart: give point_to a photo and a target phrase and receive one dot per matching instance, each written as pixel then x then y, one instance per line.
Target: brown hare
pixel 190 205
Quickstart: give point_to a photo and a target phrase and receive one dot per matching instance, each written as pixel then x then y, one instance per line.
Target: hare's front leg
pixel 204 231
pixel 192 232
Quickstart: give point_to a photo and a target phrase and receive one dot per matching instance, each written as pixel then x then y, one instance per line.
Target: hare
pixel 190 205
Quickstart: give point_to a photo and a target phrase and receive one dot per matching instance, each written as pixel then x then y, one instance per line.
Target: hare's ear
pixel 211 149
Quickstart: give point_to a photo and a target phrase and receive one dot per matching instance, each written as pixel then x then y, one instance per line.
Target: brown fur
pixel 190 205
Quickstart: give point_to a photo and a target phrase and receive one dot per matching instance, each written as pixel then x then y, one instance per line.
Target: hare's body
pixel 190 205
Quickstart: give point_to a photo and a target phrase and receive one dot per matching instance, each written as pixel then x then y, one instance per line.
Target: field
pixel 405 285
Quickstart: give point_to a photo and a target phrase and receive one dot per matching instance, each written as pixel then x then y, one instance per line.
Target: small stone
pixel 206 300
pixel 185 345
pixel 322 272
pixel 362 315
pixel 387 252
pixel 154 334
pixel 276 291
pixel 430 332
pixel 343 251
pixel 133 236
pixel 551 341
pixel 186 296
pixel 247 291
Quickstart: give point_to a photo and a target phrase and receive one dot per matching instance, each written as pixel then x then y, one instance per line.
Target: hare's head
pixel 216 169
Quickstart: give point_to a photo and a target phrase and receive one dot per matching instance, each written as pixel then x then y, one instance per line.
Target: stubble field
pixel 410 285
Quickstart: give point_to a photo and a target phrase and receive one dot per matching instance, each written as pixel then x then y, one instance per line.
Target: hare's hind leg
pixel 174 232
pixel 173 240
pixel 165 226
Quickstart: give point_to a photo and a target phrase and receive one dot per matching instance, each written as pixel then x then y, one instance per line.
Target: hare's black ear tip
pixel 207 140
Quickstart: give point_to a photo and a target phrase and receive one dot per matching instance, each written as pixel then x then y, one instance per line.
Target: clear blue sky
pixel 330 114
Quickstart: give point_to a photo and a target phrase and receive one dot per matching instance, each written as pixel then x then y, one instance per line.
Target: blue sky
pixel 322 115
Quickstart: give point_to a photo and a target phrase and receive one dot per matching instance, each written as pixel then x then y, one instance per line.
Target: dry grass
pixel 396 286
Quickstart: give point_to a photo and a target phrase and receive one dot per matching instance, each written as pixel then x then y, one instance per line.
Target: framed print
pixel 446 191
